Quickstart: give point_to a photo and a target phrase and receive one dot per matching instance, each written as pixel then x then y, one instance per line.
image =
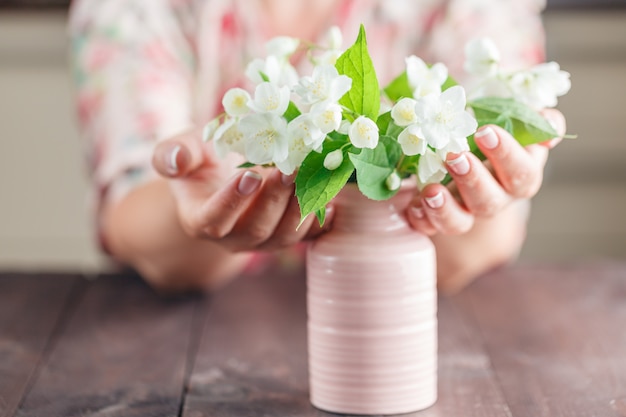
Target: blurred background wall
pixel 579 214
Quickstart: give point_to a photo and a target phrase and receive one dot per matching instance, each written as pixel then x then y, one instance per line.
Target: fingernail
pixel 171 163
pixel 459 165
pixel 287 180
pixel 487 137
pixel 553 142
pixel 435 201
pixel 249 183
pixel 417 212
pixel 552 123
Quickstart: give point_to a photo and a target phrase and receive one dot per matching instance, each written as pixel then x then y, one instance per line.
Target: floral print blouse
pixel 148 69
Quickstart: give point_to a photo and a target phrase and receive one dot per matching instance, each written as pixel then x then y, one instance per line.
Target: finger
pixel 519 171
pixel 215 217
pixel 557 121
pixel 179 156
pixel 315 229
pixel 259 222
pixel 287 233
pixel 481 193
pixel 444 212
pixel 418 220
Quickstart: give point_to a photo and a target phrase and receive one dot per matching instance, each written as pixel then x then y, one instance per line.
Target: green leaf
pixel 315 185
pixel 336 136
pixel 321 215
pixel 264 76
pixel 246 165
pixel 387 127
pixel 292 112
pixel 399 88
pixel 525 124
pixel 373 166
pixel 363 97
pixel 383 121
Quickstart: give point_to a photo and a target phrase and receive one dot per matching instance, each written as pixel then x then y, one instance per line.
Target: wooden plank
pixel 252 359
pixel 467 384
pixel 556 337
pixel 123 353
pixel 31 307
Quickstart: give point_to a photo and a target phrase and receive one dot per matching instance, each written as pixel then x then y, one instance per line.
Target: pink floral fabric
pixel 146 70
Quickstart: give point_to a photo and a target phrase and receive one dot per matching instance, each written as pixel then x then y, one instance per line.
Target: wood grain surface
pixel 530 340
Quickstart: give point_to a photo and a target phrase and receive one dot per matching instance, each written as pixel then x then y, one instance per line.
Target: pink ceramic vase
pixel 372 306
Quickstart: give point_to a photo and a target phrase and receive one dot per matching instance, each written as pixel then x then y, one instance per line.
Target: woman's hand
pixel 512 172
pixel 241 210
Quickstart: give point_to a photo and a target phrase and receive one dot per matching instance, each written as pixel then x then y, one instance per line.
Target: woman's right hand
pixel 241 210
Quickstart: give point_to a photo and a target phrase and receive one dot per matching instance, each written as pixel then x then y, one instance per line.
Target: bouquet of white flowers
pixel 337 125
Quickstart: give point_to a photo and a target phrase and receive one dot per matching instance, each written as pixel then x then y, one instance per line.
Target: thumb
pixel 179 156
pixel 557 120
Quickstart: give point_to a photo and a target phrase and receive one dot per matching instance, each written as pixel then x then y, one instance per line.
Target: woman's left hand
pixel 516 173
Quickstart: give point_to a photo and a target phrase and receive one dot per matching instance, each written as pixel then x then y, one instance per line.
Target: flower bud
pixel 333 160
pixel 363 133
pixel 393 181
pixel 209 130
pixel 235 102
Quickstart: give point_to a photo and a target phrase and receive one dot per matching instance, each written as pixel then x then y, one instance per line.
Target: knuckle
pixel 214 231
pixel 286 239
pixel 258 233
pixel 486 208
pixel 523 183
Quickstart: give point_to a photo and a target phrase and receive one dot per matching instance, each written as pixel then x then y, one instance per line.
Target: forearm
pixel 142 230
pixel 490 243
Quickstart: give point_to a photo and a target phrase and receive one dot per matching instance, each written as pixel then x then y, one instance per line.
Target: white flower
pixel 324 85
pixel 424 80
pixel 344 127
pixel 327 116
pixel 456 145
pixel 334 37
pixel 228 138
pixel 363 133
pixel 403 113
pixel 333 160
pixel 431 168
pixel 209 129
pixel 269 98
pixel 299 132
pixel 442 118
pixel 304 128
pixel 278 71
pixel 482 57
pixel 265 138
pixel 411 142
pixel 540 86
pixel 335 41
pixel 282 46
pixel 235 102
pixel 393 181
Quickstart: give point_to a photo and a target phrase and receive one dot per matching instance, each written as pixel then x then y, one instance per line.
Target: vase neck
pixel 357 213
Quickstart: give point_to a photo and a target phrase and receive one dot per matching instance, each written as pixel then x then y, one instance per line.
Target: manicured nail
pixel 417 212
pixel 435 201
pixel 552 123
pixel 249 182
pixel 459 165
pixel 171 163
pixel 487 137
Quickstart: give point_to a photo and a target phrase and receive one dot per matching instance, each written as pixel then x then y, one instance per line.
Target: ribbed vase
pixel 372 307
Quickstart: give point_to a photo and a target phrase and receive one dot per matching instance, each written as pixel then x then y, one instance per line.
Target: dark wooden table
pixel 526 341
